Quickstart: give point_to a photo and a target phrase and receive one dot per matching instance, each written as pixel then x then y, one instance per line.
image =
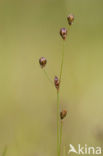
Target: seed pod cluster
pixel 70 19
pixel 42 61
pixel 63 31
pixel 63 114
pixel 56 82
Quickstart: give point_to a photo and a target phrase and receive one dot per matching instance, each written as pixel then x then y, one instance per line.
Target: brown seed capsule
pixel 63 114
pixel 70 19
pixel 63 33
pixel 56 82
pixel 42 61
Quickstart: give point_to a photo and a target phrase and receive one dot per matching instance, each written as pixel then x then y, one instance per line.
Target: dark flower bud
pixel 42 61
pixel 63 33
pixel 56 82
pixel 70 19
pixel 63 114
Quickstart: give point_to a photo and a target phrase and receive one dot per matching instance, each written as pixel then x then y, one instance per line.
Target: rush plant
pixel 61 114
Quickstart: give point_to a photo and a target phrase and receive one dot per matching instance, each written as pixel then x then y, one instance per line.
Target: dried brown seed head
pixel 63 114
pixel 63 33
pixel 70 19
pixel 56 82
pixel 42 61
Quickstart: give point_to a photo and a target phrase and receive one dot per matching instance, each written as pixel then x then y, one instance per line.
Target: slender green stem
pixel 61 127
pixel 46 74
pixel 62 62
pixel 58 121
pixel 59 130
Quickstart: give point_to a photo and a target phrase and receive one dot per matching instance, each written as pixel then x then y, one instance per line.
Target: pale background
pixel 29 29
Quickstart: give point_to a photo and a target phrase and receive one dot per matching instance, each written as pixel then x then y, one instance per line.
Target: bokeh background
pixel 29 29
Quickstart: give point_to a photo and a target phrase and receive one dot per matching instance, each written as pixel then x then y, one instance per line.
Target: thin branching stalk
pixel 57 83
pixel 62 62
pixel 59 130
pixel 46 74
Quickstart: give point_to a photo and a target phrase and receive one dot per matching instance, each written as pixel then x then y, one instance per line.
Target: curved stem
pixel 62 62
pixel 49 79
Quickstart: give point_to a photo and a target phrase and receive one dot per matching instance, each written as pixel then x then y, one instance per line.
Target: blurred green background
pixel 29 29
